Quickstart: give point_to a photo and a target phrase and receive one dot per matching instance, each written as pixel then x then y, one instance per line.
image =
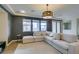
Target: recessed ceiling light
pixel 22 11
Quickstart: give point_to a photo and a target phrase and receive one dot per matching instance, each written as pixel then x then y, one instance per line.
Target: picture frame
pixel 67 25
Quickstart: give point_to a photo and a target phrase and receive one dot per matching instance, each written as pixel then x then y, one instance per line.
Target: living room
pixel 25 30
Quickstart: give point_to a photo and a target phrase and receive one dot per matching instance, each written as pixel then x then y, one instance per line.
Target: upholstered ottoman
pixel 28 39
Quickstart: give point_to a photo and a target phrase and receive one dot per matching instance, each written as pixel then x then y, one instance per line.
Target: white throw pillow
pixel 48 33
pixel 56 36
pixel 51 34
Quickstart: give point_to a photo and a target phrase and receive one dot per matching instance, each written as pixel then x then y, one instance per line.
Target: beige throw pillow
pixel 61 36
pixel 56 36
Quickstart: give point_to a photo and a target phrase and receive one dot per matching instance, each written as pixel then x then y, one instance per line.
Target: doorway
pixel 4 30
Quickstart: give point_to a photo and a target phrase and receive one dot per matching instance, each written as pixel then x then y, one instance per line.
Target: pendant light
pixel 47 14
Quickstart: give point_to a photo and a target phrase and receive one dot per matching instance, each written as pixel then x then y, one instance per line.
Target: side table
pixel 19 38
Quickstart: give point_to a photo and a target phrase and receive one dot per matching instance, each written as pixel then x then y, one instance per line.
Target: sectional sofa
pixel 65 43
pixel 37 36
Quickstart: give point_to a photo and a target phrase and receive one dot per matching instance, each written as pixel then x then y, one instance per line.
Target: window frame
pixel 41 25
pixel 27 20
pixel 38 25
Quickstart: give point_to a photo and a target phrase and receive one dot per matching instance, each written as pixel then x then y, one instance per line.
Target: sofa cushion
pixel 51 34
pixel 37 34
pixel 70 38
pixel 49 38
pixel 61 43
pixel 28 39
pixel 44 33
pixel 38 37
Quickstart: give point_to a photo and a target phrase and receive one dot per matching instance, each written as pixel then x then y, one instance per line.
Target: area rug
pixel 35 48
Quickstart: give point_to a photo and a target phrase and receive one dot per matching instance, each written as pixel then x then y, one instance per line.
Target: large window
pixel 26 25
pixel 43 25
pixel 35 25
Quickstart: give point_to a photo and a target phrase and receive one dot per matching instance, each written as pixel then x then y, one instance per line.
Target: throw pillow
pixel 37 34
pixel 48 33
pixel 51 34
pixel 57 36
pixel 61 36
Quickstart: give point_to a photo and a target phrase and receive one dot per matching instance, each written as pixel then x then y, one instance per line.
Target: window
pixel 43 25
pixel 35 25
pixel 26 25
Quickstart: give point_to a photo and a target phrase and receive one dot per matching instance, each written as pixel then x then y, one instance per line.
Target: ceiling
pixel 35 10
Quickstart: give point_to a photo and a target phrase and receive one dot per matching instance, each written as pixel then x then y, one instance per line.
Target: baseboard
pixel 11 42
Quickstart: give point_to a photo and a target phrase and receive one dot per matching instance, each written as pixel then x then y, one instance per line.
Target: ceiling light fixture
pixel 22 11
pixel 47 14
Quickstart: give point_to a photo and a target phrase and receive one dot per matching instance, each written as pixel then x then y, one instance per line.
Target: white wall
pixel 73 29
pixel 4 28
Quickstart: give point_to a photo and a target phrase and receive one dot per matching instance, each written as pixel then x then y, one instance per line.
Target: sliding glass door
pixel 56 26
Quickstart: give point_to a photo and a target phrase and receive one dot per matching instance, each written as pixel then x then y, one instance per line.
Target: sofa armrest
pixel 73 48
